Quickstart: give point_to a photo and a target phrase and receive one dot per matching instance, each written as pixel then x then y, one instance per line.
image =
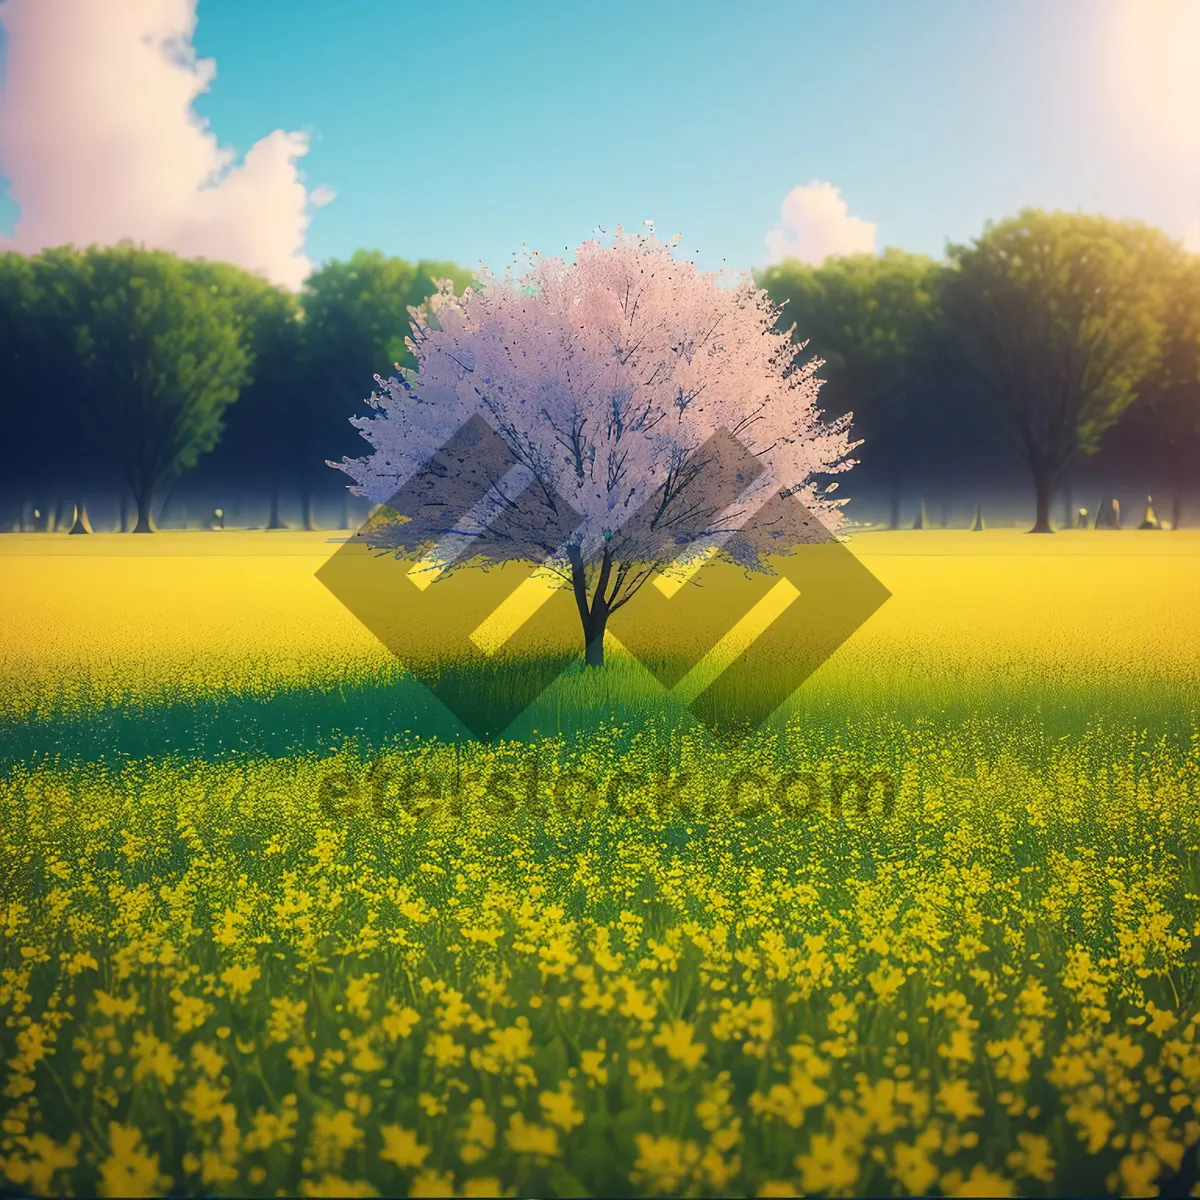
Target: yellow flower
pixel 526 1138
pixel 676 1039
pixel 207 1059
pixel 647 1077
pixel 300 1056
pixel 559 1107
pixel 44 1158
pixel 664 1163
pixel 400 1146
pixel 287 1019
pixel 480 1134
pixel 981 1182
pixel 444 1050
pixel 154 1057
pixel 129 1170
pixel 203 1102
pixel 830 1165
pixel 432 1183
pixel 1094 1124
pixel 776 1188
pixel 240 980
pixel 110 1006
pixel 486 1185
pixel 886 981
pixel 956 1097
pixel 1161 1020
pixel 399 1022
pixel 358 995
pixel 1034 1157
pixel 270 1128
pixel 590 1065
pixel 332 1136
pixel 332 1185
pixel 911 1165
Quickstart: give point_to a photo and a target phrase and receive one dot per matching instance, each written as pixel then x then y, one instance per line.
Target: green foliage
pixel 1170 414
pixel 356 320
pixel 867 317
pixel 269 321
pixel 1052 320
pixel 863 314
pixel 162 356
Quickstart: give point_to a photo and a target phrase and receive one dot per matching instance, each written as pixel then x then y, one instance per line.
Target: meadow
pixel 610 953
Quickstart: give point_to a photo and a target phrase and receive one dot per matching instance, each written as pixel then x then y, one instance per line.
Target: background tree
pixel 251 455
pixel 21 417
pixel 865 316
pixel 162 358
pixel 356 322
pixel 1050 321
pixel 1165 421
pixel 606 381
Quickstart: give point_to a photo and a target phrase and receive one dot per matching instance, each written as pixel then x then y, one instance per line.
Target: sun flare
pixel 1156 44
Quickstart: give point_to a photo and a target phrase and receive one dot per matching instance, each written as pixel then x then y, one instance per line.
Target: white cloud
pixel 100 141
pixel 814 224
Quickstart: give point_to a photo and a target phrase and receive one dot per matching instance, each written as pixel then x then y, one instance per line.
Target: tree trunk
pixel 894 507
pixel 144 523
pixel 1043 490
pixel 273 521
pixel 345 510
pixel 1176 507
pixel 124 511
pixel 593 614
pixel 1068 507
pixel 593 637
pixel 81 523
pixel 310 517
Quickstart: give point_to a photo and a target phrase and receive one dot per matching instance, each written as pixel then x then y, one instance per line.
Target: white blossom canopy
pixel 607 381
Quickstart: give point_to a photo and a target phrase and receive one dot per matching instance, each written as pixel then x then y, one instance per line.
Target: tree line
pixel 1049 338
pixel 123 368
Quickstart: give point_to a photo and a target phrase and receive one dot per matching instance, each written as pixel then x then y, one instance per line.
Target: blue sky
pixel 460 131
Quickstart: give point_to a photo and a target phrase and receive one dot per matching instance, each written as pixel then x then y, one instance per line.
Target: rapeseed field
pixel 916 937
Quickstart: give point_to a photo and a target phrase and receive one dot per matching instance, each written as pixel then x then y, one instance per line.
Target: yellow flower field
pixel 898 956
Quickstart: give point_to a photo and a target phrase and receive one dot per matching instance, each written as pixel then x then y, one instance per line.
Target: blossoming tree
pixel 607 420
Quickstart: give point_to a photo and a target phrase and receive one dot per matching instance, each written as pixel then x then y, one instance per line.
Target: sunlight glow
pixel 1156 50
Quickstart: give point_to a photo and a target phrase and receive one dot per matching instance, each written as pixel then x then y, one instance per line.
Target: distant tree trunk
pixel 894 497
pixel 1176 506
pixel 145 523
pixel 124 510
pixel 81 523
pixel 310 517
pixel 1068 506
pixel 1043 489
pixel 273 521
pixel 345 510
